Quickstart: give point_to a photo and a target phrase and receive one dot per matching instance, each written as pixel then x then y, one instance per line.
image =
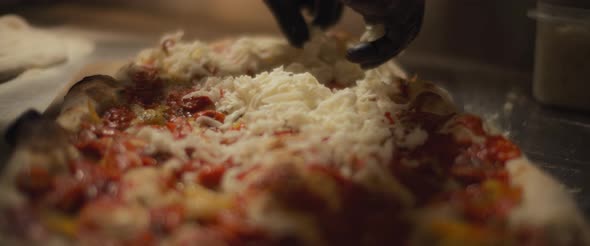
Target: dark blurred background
pixel 490 32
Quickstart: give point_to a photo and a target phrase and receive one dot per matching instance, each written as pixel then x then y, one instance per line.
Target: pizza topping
pixel 452 232
pixel 196 104
pixel 210 176
pixel 389 118
pixel 118 118
pixel 146 186
pixel 213 115
pixel 499 150
pixel 167 219
pixel 149 116
pixel 488 201
pixel 34 181
pixel 183 62
pixel 121 155
pixel 472 123
pixel 147 87
pixel 204 204
pixel 86 182
pixel 69 195
pixel 182 104
pixel 113 219
pixel 198 156
pixel 423 159
pixel 179 127
pixel 93 149
pixel 60 223
pixel 410 138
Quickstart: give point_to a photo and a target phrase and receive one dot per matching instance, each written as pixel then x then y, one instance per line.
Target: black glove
pixel 402 20
pixel 288 14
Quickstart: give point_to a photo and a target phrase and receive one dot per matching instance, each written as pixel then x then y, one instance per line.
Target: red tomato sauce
pixel 118 118
pixel 147 88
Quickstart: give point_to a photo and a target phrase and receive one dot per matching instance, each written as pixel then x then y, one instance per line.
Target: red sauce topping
pixel 210 175
pixel 180 106
pixel 389 118
pixel 121 156
pixel 69 194
pixel 146 238
pixel 214 115
pixel 86 181
pixel 118 118
pixel 179 127
pixel 500 150
pixel 171 181
pixel 34 181
pixel 442 158
pixel 147 89
pixel 334 85
pixel 195 104
pixel 93 149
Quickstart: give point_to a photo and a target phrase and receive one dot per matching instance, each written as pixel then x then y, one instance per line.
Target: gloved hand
pixel 402 20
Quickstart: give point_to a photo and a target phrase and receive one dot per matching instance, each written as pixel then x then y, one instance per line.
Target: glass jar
pixel 562 56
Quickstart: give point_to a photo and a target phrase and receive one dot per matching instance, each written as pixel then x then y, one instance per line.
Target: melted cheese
pixel 289 116
pixel 144 186
pixel 331 127
pixel 184 62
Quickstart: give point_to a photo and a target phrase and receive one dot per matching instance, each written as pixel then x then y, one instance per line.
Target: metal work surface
pixel 558 140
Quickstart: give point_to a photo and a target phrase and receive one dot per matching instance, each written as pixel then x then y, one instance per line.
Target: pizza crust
pixel 546 204
pixel 108 68
pixel 87 99
pixel 36 141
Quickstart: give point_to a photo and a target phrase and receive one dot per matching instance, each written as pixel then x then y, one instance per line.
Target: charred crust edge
pixel 16 128
pixel 55 107
pixel 110 81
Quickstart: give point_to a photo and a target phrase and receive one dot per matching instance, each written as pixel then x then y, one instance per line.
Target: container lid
pixel 584 4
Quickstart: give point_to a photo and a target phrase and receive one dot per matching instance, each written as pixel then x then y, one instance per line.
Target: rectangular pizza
pixel 249 141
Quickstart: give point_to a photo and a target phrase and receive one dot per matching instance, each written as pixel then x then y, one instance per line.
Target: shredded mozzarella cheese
pixel 289 115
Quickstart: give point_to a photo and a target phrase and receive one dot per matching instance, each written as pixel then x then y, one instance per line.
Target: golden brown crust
pixel 105 68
